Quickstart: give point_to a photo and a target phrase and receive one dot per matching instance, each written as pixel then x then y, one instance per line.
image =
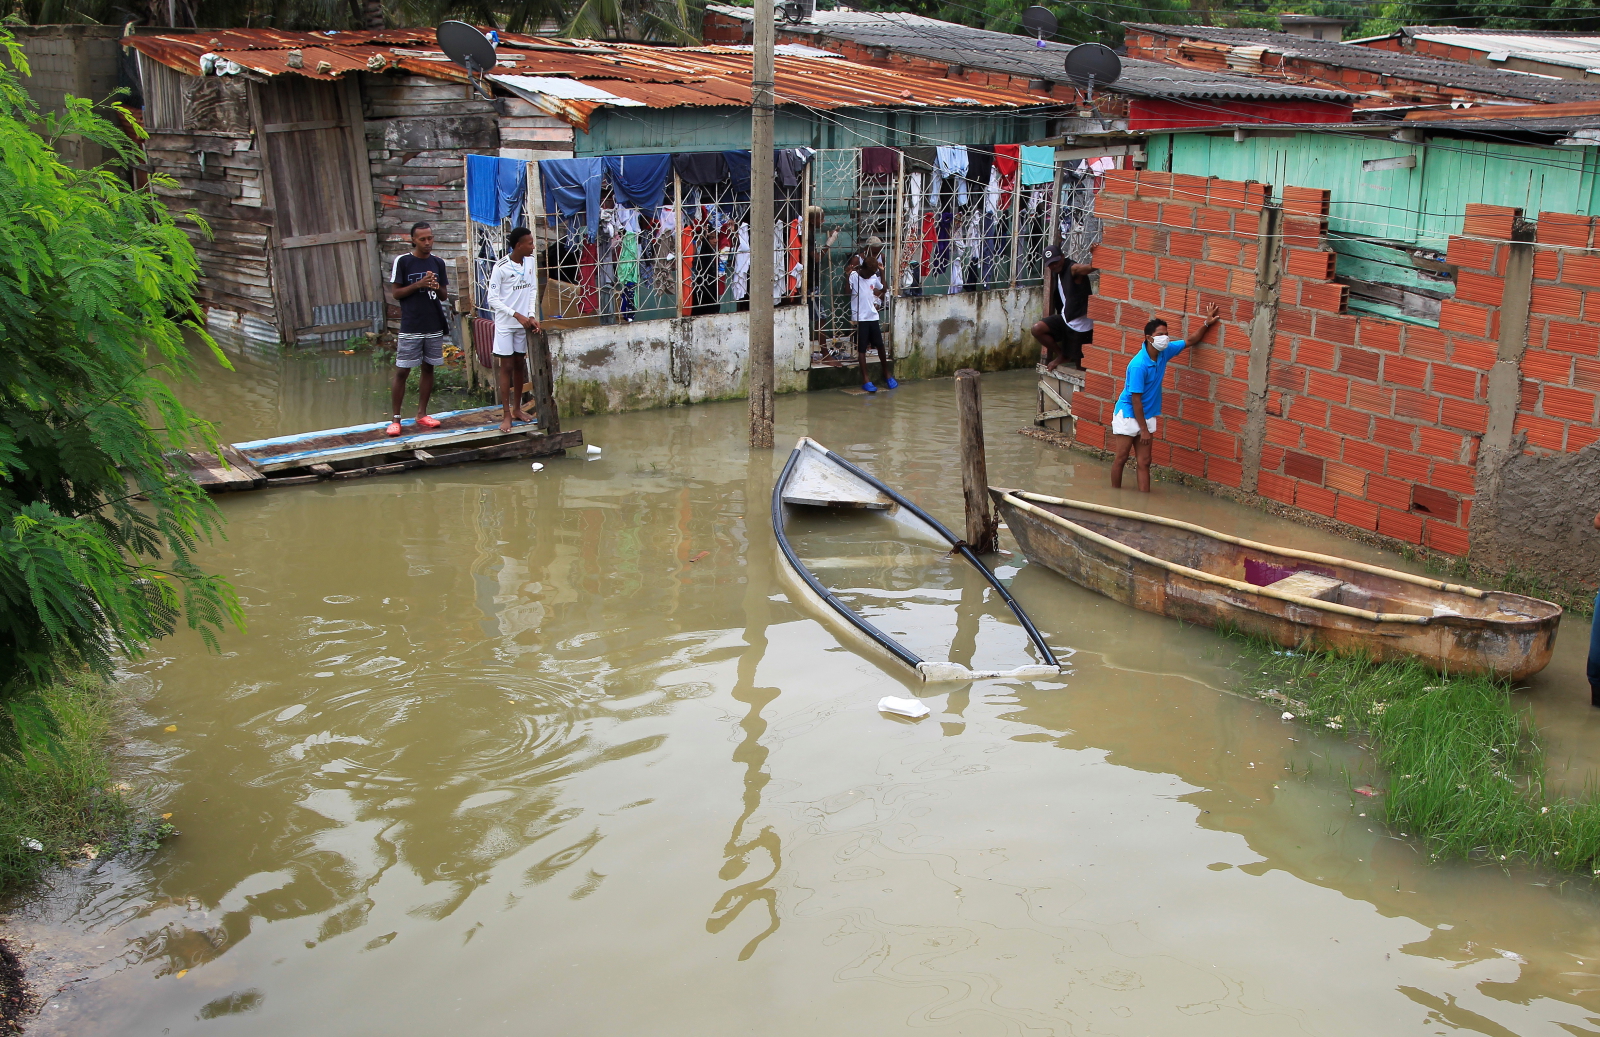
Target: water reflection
pixel 505 746
pixel 760 555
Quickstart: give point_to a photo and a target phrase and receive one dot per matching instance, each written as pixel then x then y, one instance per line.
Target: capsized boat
pixel 817 477
pixel 1294 598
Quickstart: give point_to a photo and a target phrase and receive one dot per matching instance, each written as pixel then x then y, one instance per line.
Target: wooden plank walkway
pixel 362 450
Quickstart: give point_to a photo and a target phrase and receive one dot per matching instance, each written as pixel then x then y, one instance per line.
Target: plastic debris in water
pixel 538 467
pixel 32 844
pixel 1367 790
pixel 1288 716
pixel 913 708
pixel 592 450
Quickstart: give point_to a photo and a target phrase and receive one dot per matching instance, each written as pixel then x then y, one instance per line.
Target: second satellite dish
pixel 1039 22
pixel 1093 64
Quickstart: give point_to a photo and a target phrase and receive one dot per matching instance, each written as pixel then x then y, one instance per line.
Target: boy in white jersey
pixel 513 285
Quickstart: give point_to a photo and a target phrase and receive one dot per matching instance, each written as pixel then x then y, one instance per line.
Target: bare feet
pixel 1052 365
pixel 520 418
pixel 505 424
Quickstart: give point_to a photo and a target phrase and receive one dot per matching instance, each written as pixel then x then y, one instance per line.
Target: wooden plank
pixel 1055 397
pixel 310 124
pixel 382 445
pixel 324 471
pixel 330 238
pixel 537 445
pixel 212 476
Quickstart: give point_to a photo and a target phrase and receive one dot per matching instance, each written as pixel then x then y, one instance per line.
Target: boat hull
pixel 1514 648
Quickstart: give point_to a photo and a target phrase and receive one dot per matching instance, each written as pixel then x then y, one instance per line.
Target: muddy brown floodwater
pixel 517 752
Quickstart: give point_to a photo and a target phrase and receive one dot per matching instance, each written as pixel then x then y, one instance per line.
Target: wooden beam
pixel 983 528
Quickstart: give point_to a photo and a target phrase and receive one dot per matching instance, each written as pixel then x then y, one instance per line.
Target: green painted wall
pixel 1424 204
pixel 628 131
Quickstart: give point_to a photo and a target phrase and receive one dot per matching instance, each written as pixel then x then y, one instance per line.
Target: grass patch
pixel 61 803
pixel 1466 769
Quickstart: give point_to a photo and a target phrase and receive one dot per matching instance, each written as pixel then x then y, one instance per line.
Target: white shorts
pixel 507 342
pixel 1121 426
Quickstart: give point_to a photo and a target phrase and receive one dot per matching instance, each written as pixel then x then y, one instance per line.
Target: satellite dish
pixel 1093 64
pixel 466 46
pixel 1039 21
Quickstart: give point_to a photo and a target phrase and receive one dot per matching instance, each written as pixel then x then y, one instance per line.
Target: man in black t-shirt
pixel 1066 326
pixel 417 282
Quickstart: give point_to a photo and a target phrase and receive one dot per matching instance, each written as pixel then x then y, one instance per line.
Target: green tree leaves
pixel 97 530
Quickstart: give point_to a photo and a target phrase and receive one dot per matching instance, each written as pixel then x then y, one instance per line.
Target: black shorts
pixel 869 335
pixel 1070 342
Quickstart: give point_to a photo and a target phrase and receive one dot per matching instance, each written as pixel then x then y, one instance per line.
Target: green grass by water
pixel 65 797
pixel 1465 768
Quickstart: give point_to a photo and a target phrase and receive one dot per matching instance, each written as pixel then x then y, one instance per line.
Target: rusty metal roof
pixel 659 77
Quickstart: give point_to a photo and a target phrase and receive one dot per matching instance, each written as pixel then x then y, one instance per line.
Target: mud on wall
pixel 1535 513
pixel 935 335
pixel 660 363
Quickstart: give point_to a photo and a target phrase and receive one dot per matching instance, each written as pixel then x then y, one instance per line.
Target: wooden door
pixel 324 241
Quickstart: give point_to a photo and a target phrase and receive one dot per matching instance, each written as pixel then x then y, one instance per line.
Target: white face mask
pixel 1159 342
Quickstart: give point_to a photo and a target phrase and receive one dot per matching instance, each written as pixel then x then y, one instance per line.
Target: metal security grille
pixel 856 208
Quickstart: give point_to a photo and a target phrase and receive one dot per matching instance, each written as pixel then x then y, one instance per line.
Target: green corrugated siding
pixel 1424 204
pixel 628 131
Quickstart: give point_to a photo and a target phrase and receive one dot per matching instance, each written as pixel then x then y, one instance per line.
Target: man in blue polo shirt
pixel 1133 420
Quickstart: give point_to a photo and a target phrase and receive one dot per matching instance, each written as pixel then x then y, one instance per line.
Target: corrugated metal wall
pixel 1424 204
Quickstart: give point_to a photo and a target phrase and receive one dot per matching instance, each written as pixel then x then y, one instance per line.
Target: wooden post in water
pixel 983 529
pixel 542 374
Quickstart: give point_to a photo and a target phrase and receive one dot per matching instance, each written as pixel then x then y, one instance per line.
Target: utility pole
pixel 762 112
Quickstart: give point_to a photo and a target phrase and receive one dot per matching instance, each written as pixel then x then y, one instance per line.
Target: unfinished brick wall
pixel 1371 422
pixel 1174 245
pixel 1561 366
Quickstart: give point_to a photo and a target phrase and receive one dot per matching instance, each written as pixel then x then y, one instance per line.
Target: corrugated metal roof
pixel 1576 50
pixel 595 74
pixel 1501 82
pixel 1022 56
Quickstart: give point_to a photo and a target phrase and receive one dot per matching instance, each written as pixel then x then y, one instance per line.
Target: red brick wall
pixel 1372 422
pixel 1561 367
pixel 1173 245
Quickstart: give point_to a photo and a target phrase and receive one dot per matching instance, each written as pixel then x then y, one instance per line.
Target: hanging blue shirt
pixel 496 188
pixel 1144 377
pixel 571 186
pixel 639 181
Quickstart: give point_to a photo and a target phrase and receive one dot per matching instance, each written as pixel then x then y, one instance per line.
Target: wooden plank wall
pixel 419 132
pixel 218 172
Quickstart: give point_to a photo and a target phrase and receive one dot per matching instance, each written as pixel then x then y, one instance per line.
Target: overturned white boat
pixel 816 477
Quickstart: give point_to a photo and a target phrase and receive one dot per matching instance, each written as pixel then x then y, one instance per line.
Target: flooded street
pixel 513 752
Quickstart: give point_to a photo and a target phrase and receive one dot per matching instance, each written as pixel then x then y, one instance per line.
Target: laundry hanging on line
pixel 572 186
pixel 639 181
pixel 496 188
pixel 1037 165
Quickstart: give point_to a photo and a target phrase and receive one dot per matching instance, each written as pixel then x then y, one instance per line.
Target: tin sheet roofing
pixel 1419 68
pixel 659 77
pixel 1022 56
pixel 1577 50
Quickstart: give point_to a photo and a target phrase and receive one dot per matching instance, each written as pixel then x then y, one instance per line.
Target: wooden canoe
pixel 1294 598
pixel 819 478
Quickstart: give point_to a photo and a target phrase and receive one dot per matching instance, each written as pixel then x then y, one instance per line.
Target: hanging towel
pixel 980 159
pixel 738 173
pixel 496 188
pixel 571 186
pixel 878 163
pixel 952 162
pixel 639 181
pixel 1038 165
pixel 921 157
pixel 1005 163
pixel 700 168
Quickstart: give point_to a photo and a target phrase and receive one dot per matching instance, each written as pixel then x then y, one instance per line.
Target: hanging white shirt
pixel 511 291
